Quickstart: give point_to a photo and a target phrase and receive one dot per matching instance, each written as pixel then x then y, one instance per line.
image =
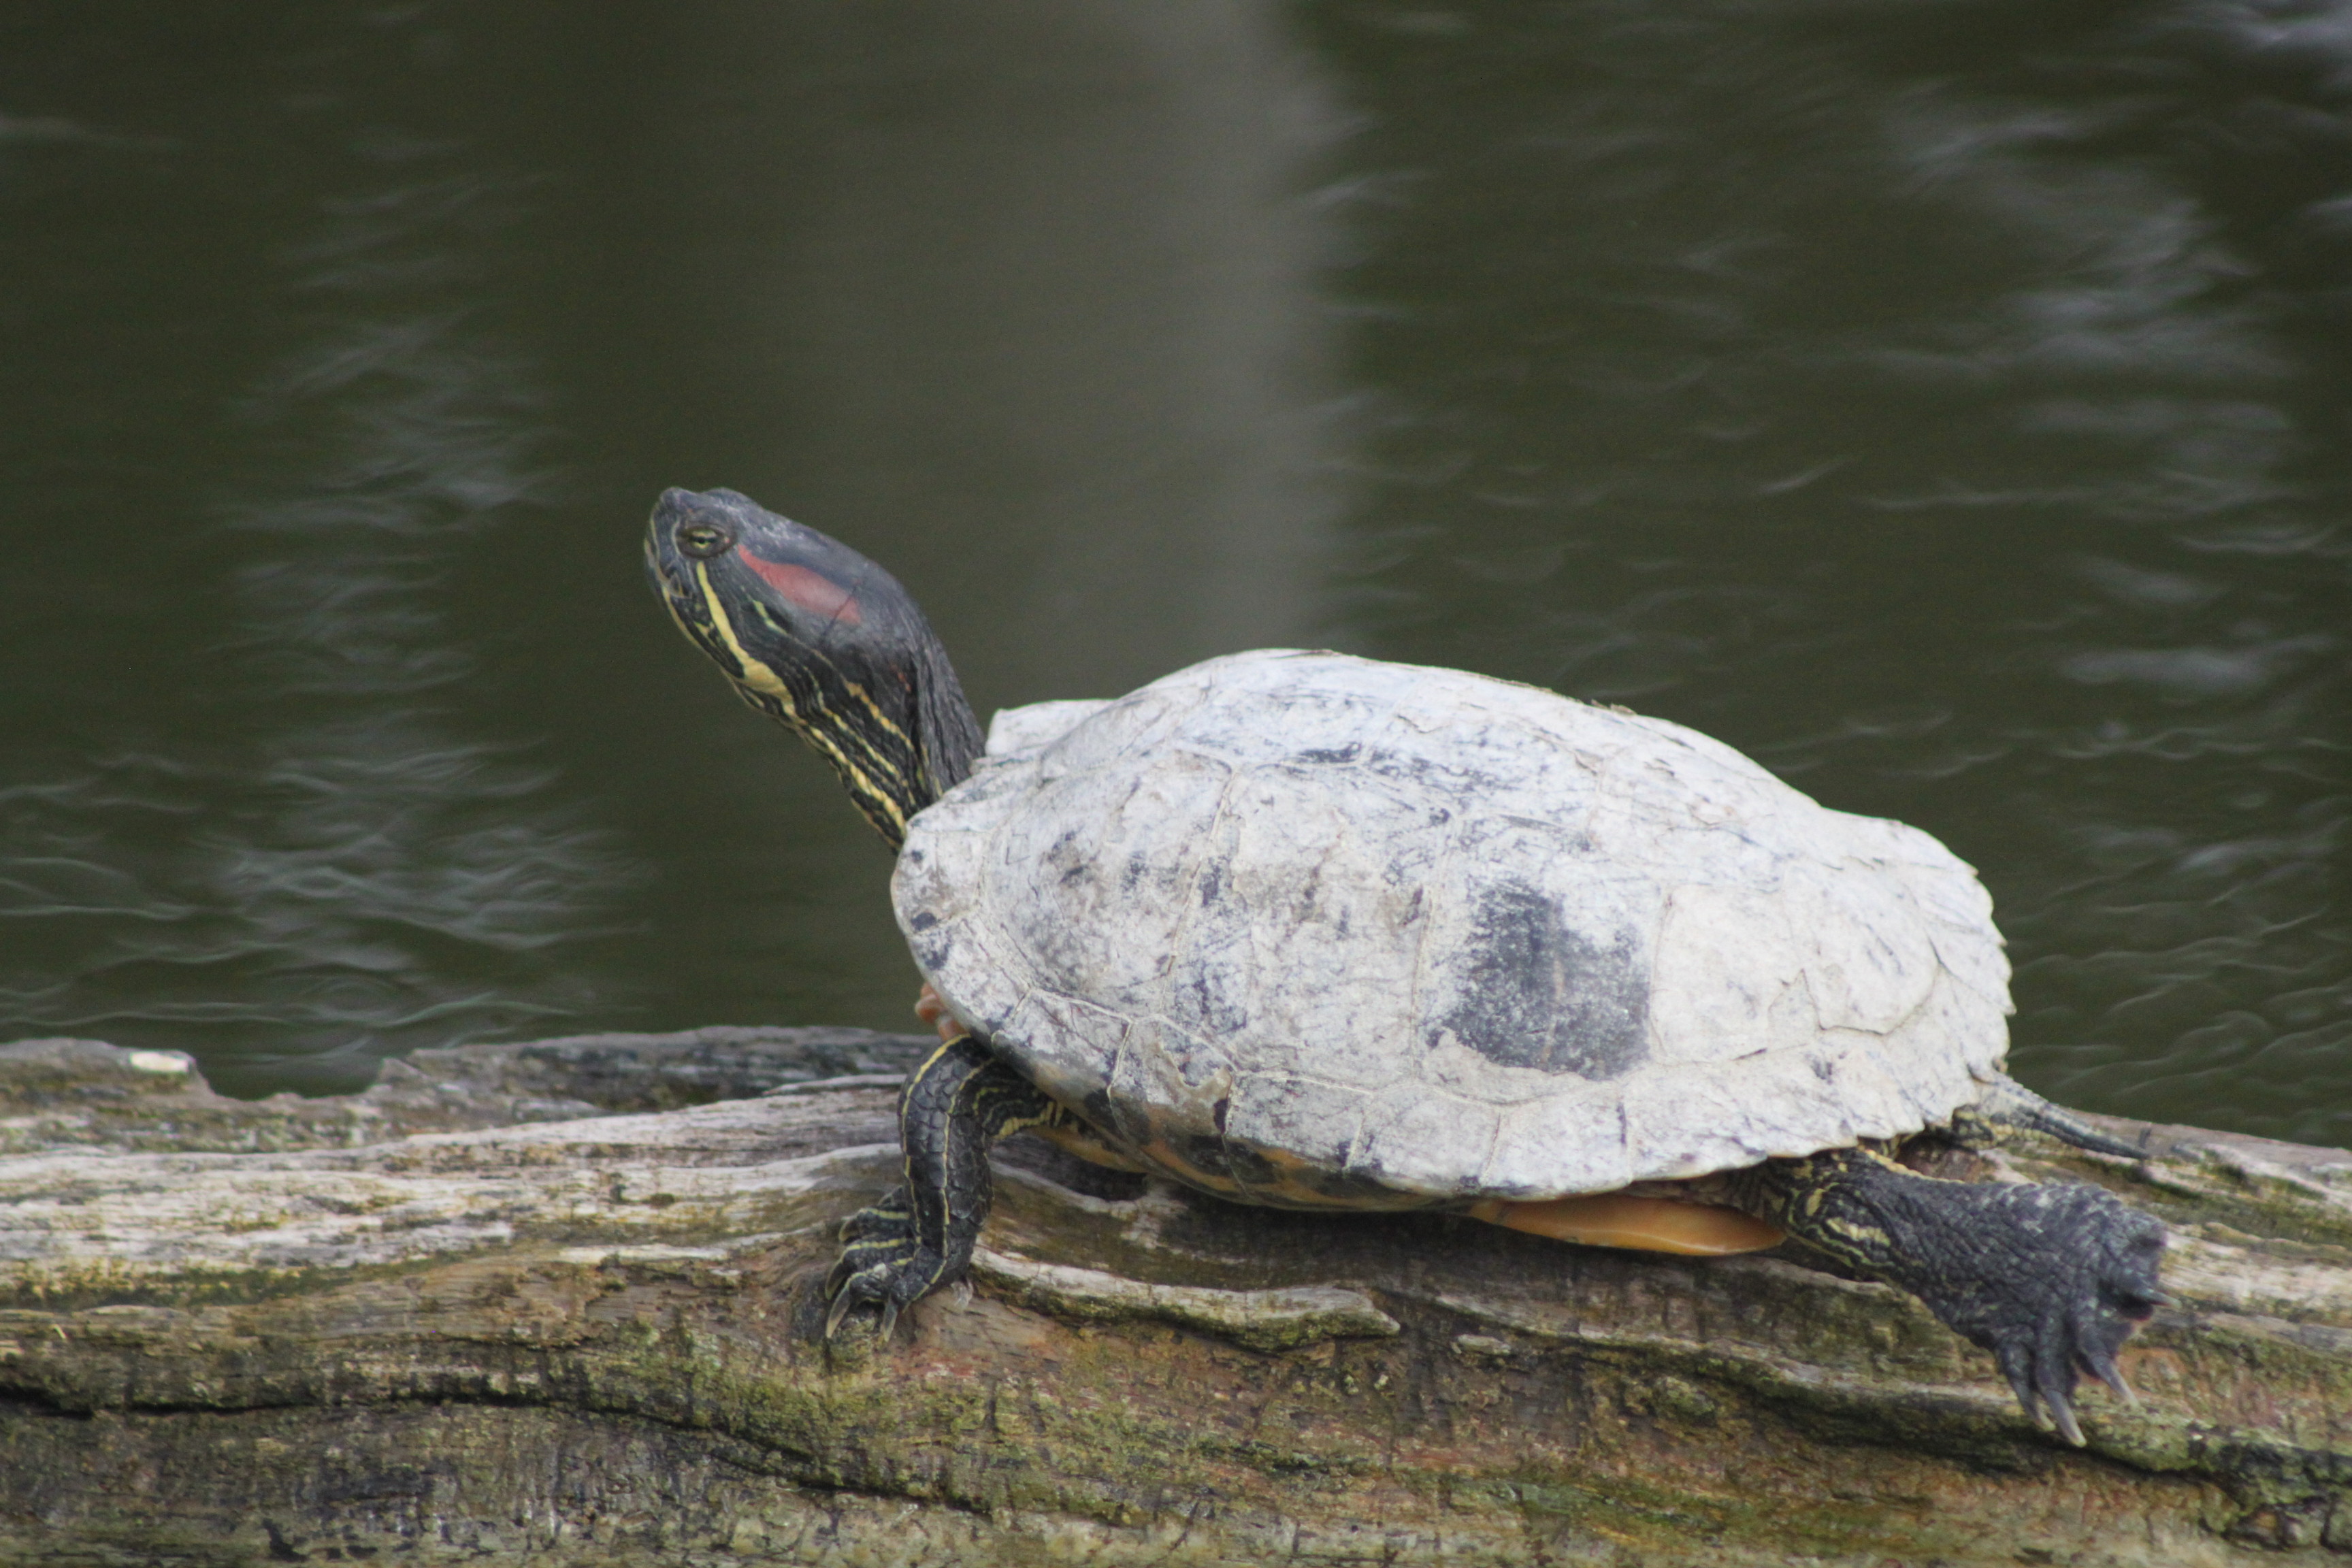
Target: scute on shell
pixel 1326 922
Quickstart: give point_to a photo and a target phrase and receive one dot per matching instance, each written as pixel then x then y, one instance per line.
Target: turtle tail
pixel 2011 1104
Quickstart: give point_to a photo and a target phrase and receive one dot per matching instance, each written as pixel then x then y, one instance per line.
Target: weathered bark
pixel 475 1312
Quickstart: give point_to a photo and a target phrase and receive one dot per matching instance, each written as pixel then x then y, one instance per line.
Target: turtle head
pixel 820 638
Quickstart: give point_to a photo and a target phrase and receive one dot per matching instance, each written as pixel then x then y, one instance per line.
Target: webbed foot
pixel 883 1260
pixel 2057 1288
pixel 2051 1278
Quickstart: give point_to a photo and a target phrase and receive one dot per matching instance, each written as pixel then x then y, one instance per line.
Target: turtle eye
pixel 703 540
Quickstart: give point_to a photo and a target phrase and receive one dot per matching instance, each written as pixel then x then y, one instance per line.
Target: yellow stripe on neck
pixel 755 674
pixel 762 678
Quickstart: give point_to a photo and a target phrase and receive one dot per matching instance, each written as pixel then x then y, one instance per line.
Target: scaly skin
pixel 920 1235
pixel 2052 1277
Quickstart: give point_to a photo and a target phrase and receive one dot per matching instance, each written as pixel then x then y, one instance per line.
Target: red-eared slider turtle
pixel 1312 931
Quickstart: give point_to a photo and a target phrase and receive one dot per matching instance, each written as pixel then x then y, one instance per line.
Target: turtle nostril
pixel 703 539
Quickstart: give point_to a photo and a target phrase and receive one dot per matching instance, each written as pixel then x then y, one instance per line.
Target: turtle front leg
pixel 2051 1278
pixel 920 1235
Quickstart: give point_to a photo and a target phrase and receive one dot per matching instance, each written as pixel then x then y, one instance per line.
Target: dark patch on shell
pixel 1214 1013
pixel 1539 995
pixel 1069 860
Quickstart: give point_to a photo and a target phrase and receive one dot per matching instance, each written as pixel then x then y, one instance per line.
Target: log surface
pixel 553 1303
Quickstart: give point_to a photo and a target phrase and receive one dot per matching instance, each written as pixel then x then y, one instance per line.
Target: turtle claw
pixel 878 1247
pixel 845 1301
pixel 2043 1391
pixel 2085 1279
pixel 883 1261
pixel 2101 1365
pixel 2062 1416
pixel 895 1283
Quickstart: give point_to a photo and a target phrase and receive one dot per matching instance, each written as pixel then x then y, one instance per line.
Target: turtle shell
pixel 1305 929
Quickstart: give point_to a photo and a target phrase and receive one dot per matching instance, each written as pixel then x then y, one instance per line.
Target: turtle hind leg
pixel 920 1235
pixel 2051 1278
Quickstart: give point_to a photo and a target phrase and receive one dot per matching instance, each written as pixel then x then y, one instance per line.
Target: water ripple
pixel 336 869
pixel 1965 445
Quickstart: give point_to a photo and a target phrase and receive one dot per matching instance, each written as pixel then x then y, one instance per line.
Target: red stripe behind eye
pixel 813 592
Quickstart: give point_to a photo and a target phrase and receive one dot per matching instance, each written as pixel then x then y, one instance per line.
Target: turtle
pixel 1300 929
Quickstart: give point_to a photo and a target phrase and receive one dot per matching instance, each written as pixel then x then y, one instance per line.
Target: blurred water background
pixel 1944 403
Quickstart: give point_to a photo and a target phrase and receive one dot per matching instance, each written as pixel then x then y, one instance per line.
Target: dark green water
pixel 1944 403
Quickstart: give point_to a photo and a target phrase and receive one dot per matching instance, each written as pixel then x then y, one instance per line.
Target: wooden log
pixel 553 1303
